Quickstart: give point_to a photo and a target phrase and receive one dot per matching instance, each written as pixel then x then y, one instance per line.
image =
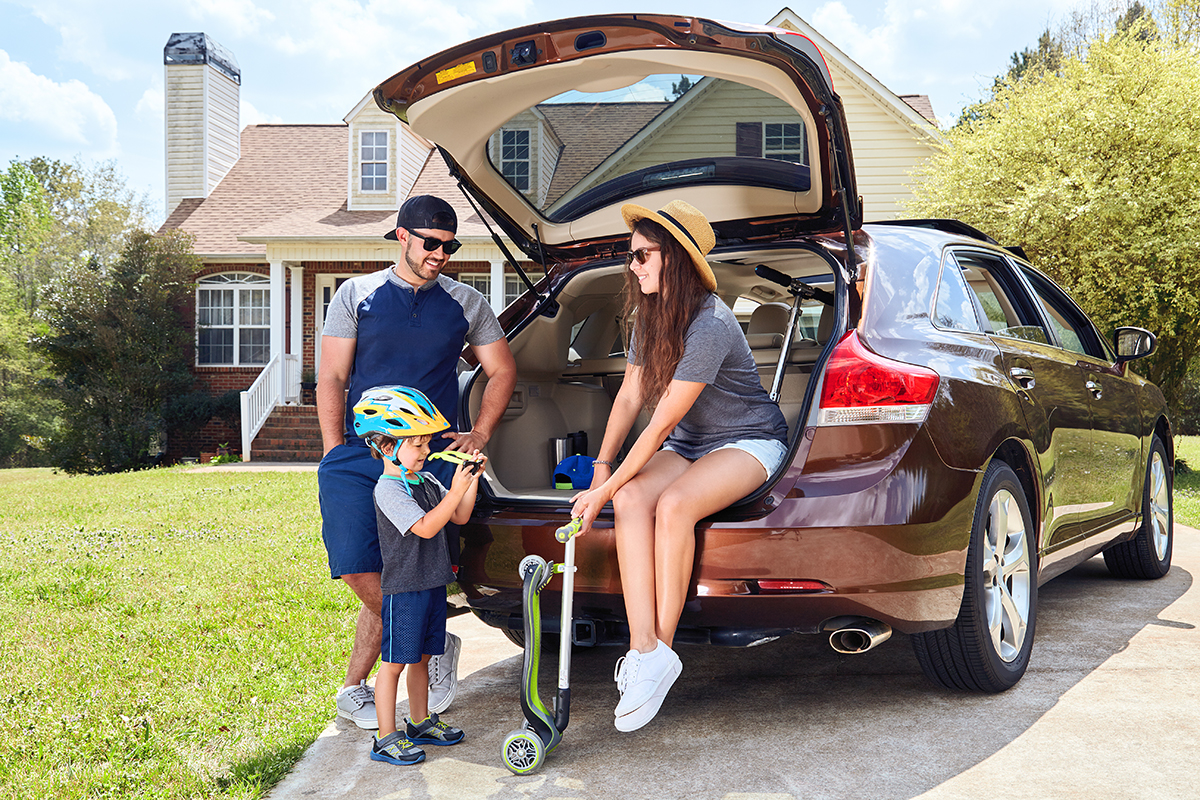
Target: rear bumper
pixel 893 550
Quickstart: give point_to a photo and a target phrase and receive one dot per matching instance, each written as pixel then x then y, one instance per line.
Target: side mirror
pixel 1133 343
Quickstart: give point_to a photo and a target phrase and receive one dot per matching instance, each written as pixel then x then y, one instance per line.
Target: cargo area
pixel 571 365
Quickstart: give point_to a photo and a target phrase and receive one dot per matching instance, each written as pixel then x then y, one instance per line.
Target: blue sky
pixel 85 78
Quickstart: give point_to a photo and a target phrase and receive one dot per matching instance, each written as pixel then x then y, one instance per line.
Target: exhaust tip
pixel 859 637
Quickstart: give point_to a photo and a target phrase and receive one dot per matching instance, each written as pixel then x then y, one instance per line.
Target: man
pixel 403 325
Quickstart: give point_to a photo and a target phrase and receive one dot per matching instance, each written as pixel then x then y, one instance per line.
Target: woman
pixel 713 437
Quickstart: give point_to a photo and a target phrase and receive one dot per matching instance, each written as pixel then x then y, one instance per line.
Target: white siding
pixel 224 137
pixel 414 152
pixel 184 132
pixel 886 148
pixel 202 135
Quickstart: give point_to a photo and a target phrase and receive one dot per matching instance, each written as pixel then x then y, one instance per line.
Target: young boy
pixel 412 509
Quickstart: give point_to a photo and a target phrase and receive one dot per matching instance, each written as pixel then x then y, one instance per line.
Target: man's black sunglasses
pixel 430 243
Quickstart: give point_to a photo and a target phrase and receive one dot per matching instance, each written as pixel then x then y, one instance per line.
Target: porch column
pixel 296 346
pixel 498 286
pixel 277 323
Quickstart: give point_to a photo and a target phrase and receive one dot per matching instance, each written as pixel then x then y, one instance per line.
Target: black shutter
pixel 749 139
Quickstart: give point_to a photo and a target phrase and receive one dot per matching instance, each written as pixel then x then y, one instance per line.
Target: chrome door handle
pixel 1023 377
pixel 1095 388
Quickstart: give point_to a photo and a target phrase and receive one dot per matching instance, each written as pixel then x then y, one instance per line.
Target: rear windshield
pixel 580 151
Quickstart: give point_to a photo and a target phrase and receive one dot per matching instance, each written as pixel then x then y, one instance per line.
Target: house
pixel 282 214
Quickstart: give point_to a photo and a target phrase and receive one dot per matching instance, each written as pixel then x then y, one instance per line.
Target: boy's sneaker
pixel 433 731
pixel 643 680
pixel 395 749
pixel 443 675
pixel 357 704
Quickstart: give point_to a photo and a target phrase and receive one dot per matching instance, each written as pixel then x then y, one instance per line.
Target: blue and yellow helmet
pixel 397 411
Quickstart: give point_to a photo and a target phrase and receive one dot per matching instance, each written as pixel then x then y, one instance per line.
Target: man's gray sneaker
pixel 443 675
pixel 357 704
pixel 395 749
pixel 433 731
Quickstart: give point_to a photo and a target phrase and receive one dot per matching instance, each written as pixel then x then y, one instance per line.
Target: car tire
pixel 1147 556
pixel 987 649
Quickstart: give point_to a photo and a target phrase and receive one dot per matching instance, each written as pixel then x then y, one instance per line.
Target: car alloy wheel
pixel 987 649
pixel 1147 556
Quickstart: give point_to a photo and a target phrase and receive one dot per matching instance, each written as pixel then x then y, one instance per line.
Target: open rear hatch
pixel 552 127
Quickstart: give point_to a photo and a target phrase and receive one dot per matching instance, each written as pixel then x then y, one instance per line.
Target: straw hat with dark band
pixel 689 227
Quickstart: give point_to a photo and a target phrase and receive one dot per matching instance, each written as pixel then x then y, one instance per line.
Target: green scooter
pixel 525 748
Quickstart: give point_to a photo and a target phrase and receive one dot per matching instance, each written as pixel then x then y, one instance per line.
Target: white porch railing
pixel 277 384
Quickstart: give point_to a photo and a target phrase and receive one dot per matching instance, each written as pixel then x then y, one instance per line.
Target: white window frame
pixel 479 281
pixel 249 310
pixel 502 162
pixel 780 153
pixel 514 287
pixel 374 156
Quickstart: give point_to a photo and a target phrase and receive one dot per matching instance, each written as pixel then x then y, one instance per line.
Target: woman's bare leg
pixel 634 505
pixel 712 483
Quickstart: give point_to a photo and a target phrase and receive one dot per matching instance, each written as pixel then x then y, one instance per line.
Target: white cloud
pixel 239 17
pixel 67 113
pixel 252 116
pixel 152 104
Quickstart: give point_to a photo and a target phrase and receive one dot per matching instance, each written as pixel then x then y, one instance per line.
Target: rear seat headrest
pixel 769 318
pixel 825 324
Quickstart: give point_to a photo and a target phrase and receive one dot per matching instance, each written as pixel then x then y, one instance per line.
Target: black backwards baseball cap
pixel 425 211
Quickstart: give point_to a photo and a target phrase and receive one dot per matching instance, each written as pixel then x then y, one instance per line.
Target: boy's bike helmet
pixel 397 411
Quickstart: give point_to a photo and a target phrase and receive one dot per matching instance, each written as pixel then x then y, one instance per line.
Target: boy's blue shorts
pixel 346 482
pixel 414 625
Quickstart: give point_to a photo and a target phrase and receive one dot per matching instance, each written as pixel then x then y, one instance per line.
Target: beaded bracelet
pixel 608 464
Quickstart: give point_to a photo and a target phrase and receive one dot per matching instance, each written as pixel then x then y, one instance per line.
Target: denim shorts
pixel 414 625
pixel 768 452
pixel 346 482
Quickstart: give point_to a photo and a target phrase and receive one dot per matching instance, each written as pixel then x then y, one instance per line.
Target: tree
pixel 678 90
pixel 121 347
pixel 1093 170
pixel 25 227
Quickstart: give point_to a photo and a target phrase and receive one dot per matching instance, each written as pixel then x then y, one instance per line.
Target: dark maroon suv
pixel 960 432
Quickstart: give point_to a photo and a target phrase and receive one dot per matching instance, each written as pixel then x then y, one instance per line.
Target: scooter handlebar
pixel 564 533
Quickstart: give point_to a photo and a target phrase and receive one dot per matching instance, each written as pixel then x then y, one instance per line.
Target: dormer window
pixel 514 158
pixel 373 158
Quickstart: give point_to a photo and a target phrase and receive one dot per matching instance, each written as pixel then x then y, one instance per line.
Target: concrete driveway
pixel 1110 708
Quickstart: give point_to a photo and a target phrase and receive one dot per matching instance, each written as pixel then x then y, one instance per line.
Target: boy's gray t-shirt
pixel 733 405
pixel 410 563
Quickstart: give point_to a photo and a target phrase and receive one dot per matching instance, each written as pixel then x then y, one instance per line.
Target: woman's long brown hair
pixel 661 320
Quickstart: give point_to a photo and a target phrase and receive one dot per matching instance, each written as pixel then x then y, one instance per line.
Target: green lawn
pixel 165 634
pixel 1187 486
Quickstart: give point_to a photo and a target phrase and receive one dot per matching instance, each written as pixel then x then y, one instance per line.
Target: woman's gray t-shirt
pixel 733 405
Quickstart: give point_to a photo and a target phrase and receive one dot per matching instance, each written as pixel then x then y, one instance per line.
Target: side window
pixel 1004 307
pixel 953 307
pixel 1073 329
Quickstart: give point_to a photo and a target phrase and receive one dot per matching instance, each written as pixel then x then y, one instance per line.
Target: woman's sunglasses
pixel 640 255
pixel 431 243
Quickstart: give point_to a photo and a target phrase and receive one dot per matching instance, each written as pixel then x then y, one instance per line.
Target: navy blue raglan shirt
pixel 409 337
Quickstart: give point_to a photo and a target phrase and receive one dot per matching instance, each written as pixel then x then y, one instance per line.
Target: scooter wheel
pixel 529 564
pixel 523 752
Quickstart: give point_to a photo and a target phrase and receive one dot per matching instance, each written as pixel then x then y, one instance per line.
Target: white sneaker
pixel 644 680
pixel 357 704
pixel 443 675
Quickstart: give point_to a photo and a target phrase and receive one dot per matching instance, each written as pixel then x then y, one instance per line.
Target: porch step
pixel 291 433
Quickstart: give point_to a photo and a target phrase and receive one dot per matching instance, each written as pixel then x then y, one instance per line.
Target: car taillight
pixel 862 388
